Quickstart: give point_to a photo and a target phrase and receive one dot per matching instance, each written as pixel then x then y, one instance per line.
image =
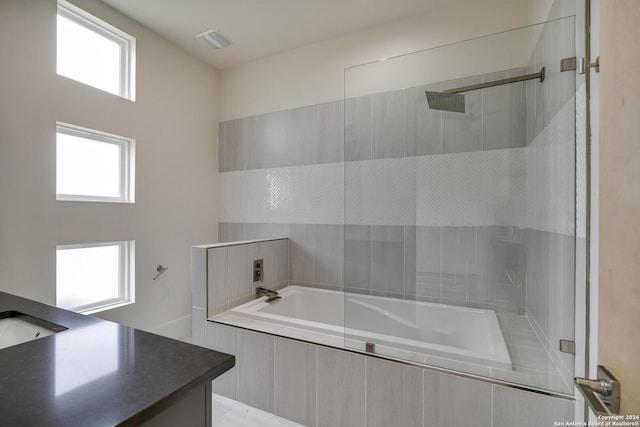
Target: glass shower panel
pixel 459 246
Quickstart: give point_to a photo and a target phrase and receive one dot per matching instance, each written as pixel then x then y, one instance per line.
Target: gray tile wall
pixel 255 361
pixel 446 396
pixel 475 266
pixel 544 100
pixel 423 126
pixel 394 394
pixel 379 126
pixel 341 382
pixel 499 267
pixel 296 381
pixel 301 136
pixel 550 257
pixel 471 265
pixel 229 279
pixel 462 133
pixel 519 408
pixel 322 386
pixel 551 293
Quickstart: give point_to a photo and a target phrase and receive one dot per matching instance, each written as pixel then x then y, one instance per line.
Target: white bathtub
pixel 398 328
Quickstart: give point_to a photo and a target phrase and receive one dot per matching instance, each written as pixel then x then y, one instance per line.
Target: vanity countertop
pixel 96 373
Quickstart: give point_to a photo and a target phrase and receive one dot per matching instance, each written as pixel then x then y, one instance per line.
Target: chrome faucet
pixel 261 292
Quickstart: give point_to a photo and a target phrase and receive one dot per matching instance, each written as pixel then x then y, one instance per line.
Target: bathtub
pixel 390 327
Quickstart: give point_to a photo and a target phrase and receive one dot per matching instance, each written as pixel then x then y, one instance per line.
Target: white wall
pixel 314 74
pixel 174 121
pixel 493 53
pixel 538 10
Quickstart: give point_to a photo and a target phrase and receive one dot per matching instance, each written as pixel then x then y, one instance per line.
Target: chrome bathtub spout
pixel 260 292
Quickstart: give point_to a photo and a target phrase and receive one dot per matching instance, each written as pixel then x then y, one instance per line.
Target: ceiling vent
pixel 215 39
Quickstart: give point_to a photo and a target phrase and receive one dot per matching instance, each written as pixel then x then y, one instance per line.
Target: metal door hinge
pixel 584 66
pixel 602 394
pixel 567 346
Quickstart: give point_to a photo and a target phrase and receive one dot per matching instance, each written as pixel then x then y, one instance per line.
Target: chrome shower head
pixel 452 102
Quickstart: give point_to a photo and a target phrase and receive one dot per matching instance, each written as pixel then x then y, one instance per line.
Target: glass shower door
pixel 460 217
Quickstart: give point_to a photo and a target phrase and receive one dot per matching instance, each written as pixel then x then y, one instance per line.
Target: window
pixel 94 53
pixel 93 166
pixel 95 277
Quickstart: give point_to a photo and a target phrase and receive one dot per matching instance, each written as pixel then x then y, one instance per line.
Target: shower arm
pixel 539 75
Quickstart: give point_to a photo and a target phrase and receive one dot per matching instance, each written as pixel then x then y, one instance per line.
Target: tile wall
pixel 302 136
pixel 229 272
pixel 531 364
pixel 406 168
pixel 550 239
pixel 456 265
pixel 316 385
pixel 475 209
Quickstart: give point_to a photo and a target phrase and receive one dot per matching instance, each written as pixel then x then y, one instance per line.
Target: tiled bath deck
pixel 532 366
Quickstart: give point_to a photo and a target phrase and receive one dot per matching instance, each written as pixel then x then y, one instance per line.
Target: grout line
pixel 492 403
pixel 226 289
pixel 221 146
pixel 241 163
pixel 370 127
pixel 482 120
pixel 404 125
pixel 313 253
pixel 441 125
pixel 274 375
pixel 273 365
pixel 441 261
pixel 404 261
pixel 317 395
pixel 423 396
pixel 466 290
pixel 342 251
pixel 238 366
pixel 366 371
pixel 370 258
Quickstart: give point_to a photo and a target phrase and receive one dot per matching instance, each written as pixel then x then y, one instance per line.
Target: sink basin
pixel 17 328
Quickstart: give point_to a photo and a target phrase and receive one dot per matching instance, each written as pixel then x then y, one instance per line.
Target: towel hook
pixel 160 269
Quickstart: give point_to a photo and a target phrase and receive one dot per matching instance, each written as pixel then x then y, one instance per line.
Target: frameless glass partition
pixel 459 246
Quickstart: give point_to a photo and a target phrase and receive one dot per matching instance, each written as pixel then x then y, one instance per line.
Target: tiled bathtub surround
pixel 379 126
pixel 481 188
pixel 229 272
pixel 316 385
pixel 531 364
pixel 475 209
pixel 297 194
pixel 302 136
pixel 466 260
pixel 530 187
pixel 474 266
pixel 553 153
pixel 551 237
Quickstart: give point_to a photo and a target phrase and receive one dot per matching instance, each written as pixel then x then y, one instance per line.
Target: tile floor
pixel 229 413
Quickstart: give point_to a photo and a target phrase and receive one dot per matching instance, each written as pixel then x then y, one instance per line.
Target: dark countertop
pixel 96 373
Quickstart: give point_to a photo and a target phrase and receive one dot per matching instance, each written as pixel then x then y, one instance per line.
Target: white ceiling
pixel 261 28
